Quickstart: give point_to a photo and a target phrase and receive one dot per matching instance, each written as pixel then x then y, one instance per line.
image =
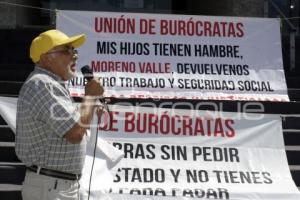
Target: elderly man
pixel 50 136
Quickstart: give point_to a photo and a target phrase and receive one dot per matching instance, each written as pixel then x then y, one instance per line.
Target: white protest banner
pixel 8 110
pixel 182 154
pixel 179 56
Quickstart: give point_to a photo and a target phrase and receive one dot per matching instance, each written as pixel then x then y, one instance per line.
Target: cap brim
pixel 75 41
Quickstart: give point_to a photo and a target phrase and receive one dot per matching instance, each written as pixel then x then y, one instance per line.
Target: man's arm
pixel 92 92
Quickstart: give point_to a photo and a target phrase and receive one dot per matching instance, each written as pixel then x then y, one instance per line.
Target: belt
pixel 54 173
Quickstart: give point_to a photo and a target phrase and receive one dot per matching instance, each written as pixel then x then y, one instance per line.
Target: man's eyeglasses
pixel 70 51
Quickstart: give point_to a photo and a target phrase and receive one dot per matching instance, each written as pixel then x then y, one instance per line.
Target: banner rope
pixel 54 10
pixel 26 6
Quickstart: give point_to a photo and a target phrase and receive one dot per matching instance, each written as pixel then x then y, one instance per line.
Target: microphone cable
pixel 94 154
pixel 104 104
pixel 88 74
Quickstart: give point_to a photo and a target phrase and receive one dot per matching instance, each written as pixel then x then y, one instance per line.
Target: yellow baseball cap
pixel 50 39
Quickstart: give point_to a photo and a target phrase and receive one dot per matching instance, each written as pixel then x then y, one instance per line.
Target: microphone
pixel 87 72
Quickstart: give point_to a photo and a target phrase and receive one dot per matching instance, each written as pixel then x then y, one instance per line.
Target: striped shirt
pixel 45 112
